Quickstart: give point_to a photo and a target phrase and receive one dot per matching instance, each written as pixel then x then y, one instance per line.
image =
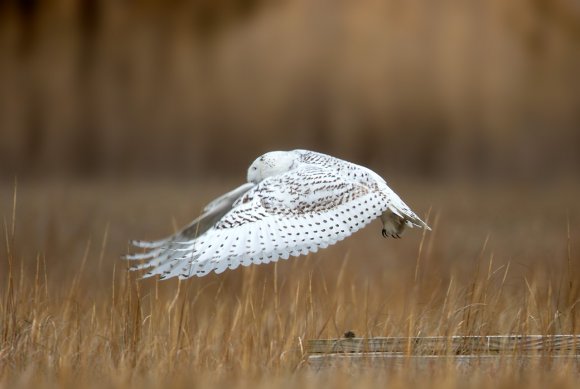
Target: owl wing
pixel 214 211
pixel 290 214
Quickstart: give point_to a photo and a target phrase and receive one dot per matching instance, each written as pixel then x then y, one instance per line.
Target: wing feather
pixel 213 212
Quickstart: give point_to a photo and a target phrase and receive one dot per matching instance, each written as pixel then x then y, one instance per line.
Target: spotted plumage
pixel 294 203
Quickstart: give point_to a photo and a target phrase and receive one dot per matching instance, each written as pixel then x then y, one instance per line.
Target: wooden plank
pixel 462 363
pixel 437 345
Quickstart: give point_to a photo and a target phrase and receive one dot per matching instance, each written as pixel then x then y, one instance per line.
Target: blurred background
pixel 198 89
pixel 121 119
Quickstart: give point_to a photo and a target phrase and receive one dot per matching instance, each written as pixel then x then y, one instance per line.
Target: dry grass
pixel 152 89
pixel 497 262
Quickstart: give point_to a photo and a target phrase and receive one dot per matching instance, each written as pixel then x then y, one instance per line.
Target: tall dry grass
pixel 71 314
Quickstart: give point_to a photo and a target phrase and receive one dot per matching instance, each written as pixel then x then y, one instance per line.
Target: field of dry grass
pixel 500 260
pixel 478 101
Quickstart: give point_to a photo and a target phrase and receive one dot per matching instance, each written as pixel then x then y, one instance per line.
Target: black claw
pixel 384 232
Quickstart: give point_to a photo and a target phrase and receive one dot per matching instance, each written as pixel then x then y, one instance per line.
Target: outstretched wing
pixel 160 250
pixel 287 215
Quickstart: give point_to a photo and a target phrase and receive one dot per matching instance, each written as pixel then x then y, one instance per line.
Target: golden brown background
pixel 198 88
pixel 121 119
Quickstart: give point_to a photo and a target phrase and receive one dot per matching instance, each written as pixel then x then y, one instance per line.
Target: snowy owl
pixel 294 203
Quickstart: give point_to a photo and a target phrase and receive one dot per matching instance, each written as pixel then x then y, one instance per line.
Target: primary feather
pixel 295 202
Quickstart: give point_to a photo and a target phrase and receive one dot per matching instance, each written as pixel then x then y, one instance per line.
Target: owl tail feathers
pixel 414 221
pixel 395 220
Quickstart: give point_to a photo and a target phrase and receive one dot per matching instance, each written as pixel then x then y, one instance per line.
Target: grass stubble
pixel 90 322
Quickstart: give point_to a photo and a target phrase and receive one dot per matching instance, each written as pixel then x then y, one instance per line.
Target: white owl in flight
pixel 295 202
